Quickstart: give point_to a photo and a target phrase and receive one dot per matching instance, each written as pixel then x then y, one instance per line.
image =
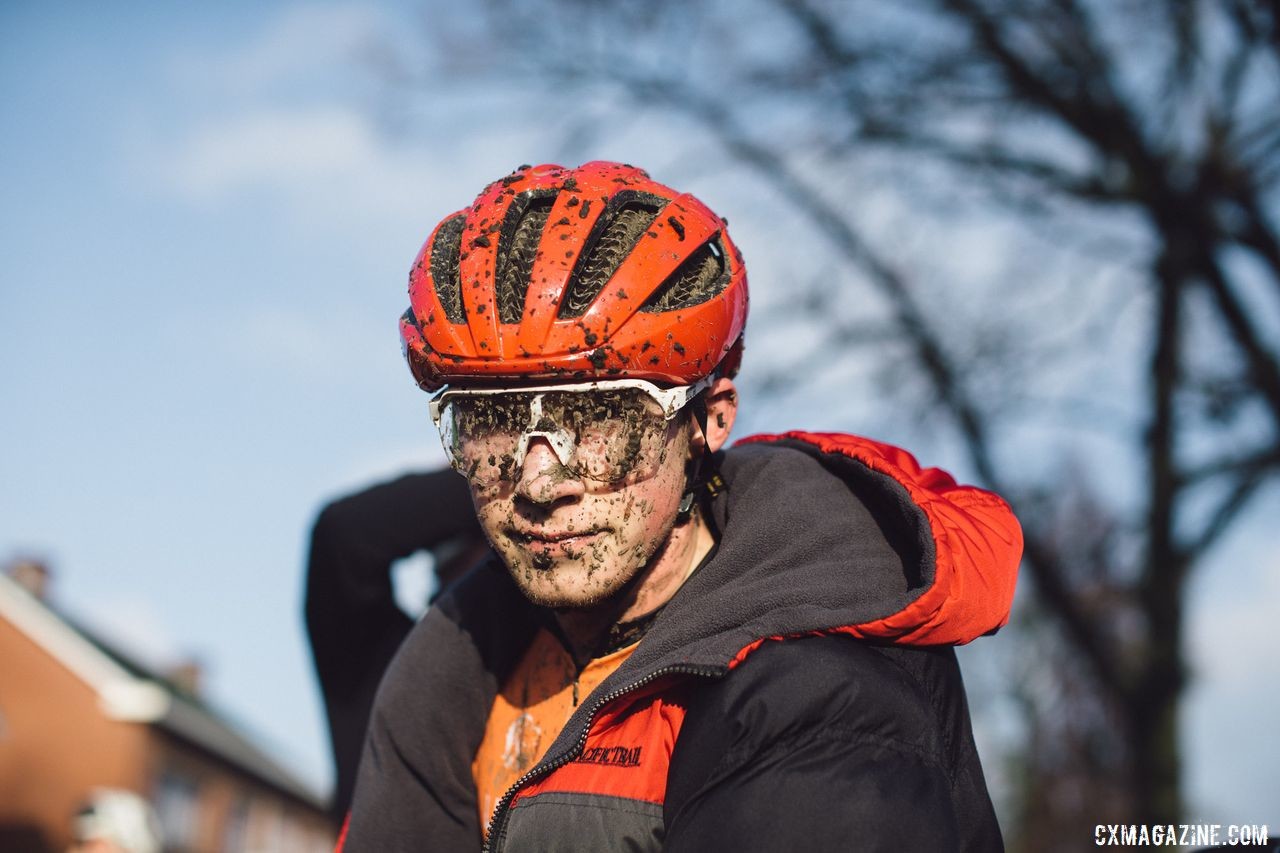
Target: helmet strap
pixel 693 479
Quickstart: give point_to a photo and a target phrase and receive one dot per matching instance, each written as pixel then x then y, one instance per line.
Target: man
pixel 673 647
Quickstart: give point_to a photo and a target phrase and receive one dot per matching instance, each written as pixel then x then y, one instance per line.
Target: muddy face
pixel 572 542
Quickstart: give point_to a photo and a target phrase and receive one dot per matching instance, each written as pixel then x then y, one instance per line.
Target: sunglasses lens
pixel 616 432
pixel 482 434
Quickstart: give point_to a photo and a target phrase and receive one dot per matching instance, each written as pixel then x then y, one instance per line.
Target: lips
pixel 555 538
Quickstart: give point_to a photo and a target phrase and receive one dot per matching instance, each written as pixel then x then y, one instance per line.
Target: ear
pixel 722 408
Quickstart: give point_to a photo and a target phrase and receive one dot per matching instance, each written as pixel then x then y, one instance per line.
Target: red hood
pixel 976 543
pixel 836 534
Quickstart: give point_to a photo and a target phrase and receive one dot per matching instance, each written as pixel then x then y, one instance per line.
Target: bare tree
pixel 1134 143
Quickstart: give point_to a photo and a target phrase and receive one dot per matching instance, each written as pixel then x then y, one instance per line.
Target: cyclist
pixel 673 646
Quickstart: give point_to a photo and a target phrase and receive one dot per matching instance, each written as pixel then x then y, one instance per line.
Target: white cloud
pixel 299 43
pixel 285 117
pixel 327 165
pixel 302 153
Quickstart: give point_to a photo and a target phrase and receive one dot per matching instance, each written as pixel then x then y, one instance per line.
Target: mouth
pixel 556 541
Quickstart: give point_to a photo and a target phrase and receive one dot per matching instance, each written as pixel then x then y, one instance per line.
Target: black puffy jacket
pixel 795 694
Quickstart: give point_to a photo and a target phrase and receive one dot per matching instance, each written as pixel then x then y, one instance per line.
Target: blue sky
pixel 207 220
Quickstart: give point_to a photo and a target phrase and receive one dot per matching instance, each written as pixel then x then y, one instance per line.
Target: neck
pixel 686 547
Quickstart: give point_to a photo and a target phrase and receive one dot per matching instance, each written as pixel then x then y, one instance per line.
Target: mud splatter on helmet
pixel 578 274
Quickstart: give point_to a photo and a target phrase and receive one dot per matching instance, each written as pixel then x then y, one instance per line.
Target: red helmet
pixel 576 274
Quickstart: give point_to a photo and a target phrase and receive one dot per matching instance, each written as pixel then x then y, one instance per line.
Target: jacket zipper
pixel 500 811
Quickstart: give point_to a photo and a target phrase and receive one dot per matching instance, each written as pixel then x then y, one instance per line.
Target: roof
pixel 130 691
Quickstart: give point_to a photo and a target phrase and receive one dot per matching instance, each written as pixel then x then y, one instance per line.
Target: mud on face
pixel 569 541
pixel 614 434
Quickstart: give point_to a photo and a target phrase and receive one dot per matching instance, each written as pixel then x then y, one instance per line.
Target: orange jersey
pixel 533 705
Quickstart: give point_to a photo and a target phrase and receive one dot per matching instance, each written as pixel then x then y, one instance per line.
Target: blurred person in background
pixel 115 821
pixel 672 646
pixel 354 624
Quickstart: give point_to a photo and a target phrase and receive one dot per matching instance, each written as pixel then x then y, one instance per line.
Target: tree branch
pixel 1236 499
pixel 1264 370
pixel 1241 463
pixel 937 366
pixel 1108 127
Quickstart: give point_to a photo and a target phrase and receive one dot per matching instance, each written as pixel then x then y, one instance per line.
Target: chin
pixel 566 584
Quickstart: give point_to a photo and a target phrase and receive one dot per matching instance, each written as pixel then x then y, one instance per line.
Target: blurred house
pixel 76 714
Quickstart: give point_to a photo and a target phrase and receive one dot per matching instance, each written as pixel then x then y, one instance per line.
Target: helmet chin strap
pixel 693 477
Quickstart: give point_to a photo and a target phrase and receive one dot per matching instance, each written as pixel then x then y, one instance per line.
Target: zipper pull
pixel 575 691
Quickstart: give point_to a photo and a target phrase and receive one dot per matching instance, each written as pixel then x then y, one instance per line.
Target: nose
pixel 543 480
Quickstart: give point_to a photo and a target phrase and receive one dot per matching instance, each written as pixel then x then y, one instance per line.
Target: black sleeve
pixel 415 790
pixel 815 744
pixel 353 623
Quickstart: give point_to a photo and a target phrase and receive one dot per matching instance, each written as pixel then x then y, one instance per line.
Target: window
pixel 178 806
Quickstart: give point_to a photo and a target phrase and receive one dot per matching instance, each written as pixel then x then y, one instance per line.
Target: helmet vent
pixel 516 253
pixel 444 268
pixel 699 278
pixel 605 255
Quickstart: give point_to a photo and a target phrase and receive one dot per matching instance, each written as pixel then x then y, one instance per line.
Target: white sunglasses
pixel 487 463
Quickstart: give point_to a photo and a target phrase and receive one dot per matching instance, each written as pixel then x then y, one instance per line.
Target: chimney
pixel 31 574
pixel 186 677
